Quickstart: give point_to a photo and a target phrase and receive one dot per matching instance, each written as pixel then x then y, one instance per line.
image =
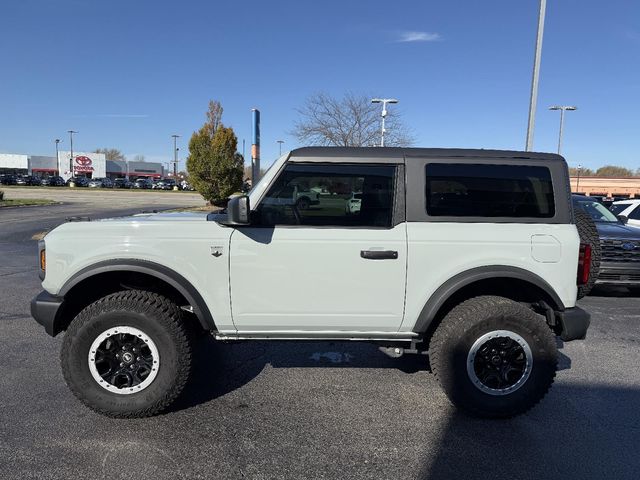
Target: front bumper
pixel 573 323
pixel 45 309
pixel 619 273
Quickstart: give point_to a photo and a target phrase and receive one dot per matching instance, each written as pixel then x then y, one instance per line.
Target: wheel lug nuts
pixel 121 364
pixel 139 358
pixel 132 367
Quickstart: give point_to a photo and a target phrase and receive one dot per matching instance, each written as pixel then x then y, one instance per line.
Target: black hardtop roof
pixel 395 152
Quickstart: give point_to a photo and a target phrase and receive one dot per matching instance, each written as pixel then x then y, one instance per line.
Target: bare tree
pixel 138 158
pixel 214 116
pixel 351 121
pixel 111 153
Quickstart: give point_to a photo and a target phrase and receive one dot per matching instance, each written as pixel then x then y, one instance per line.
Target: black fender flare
pixel 461 280
pixel 177 281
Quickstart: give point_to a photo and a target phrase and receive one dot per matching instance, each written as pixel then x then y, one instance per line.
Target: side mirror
pixel 238 211
pixel 623 218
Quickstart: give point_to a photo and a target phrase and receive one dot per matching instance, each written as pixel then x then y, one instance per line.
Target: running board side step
pixel 321 336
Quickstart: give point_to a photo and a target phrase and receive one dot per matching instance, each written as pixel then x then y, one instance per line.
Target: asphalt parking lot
pixel 304 410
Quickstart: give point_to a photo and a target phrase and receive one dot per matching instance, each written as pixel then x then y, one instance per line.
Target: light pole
pixel 57 154
pixel 280 142
pixel 175 154
pixel 71 132
pixel 384 102
pixel 536 74
pixel 578 182
pixel 562 109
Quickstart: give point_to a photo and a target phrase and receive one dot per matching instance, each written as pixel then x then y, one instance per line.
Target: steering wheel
pixel 296 214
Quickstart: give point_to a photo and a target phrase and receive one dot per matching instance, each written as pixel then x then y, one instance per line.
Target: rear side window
pixel 481 190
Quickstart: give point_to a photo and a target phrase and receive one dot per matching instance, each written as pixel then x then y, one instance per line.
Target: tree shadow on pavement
pixel 581 432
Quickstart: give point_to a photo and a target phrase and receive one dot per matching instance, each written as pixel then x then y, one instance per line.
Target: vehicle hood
pixel 160 217
pixel 617 231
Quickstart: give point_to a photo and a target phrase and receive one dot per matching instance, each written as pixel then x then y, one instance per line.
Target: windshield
pixel 597 211
pixel 617 208
pixel 258 188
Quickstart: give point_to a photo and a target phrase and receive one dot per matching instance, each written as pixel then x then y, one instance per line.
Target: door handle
pixel 379 254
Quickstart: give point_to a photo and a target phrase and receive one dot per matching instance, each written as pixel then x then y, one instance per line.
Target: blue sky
pixel 129 73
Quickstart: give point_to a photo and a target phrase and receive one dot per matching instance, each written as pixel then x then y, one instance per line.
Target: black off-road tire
pixel 466 323
pixel 589 235
pixel 160 319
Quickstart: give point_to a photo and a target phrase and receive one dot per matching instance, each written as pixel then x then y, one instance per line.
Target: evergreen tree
pixel 214 165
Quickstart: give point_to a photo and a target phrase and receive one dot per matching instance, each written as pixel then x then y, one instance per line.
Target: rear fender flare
pixel 461 280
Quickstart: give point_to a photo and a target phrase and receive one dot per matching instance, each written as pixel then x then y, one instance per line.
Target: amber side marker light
pixel 43 260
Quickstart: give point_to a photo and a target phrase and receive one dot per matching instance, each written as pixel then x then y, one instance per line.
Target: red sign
pixel 83 164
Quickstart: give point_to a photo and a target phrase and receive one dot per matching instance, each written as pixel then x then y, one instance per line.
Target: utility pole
pixel 280 142
pixel 175 154
pixel 536 75
pixel 562 109
pixel 71 132
pixel 384 102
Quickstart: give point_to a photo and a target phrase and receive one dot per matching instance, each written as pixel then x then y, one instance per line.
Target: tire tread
pixel 153 305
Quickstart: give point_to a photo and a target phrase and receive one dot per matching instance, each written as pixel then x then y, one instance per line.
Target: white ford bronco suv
pixel 471 256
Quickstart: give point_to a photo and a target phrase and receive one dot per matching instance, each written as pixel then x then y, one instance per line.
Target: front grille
pixel 620 251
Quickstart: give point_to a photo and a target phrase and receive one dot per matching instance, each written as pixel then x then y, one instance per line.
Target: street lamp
pixel 536 74
pixel 562 109
pixel 280 142
pixel 175 154
pixel 57 154
pixel 384 102
pixel 71 132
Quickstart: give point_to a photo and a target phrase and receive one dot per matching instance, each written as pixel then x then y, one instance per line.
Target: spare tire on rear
pixel 588 235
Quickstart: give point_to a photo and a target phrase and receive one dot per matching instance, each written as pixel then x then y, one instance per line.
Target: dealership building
pixel 88 164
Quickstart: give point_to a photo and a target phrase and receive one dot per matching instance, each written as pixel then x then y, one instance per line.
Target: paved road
pixel 19 223
pixel 313 410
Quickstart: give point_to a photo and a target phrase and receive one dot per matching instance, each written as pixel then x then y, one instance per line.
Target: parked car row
pixel 101 182
pixel 619 236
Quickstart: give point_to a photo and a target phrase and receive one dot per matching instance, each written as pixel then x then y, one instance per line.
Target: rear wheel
pixel 127 354
pixel 493 357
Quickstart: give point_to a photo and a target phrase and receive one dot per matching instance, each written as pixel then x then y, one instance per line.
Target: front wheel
pixel 493 357
pixel 127 354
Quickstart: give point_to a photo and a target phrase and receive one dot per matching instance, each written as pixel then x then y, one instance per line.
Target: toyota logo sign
pixel 83 164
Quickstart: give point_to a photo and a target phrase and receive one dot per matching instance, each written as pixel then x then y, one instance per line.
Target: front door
pixel 335 264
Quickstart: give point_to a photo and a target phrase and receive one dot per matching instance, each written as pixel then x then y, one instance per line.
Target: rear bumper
pixel 44 309
pixel 574 323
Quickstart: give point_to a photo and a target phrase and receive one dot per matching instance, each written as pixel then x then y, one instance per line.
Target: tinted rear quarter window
pixel 489 190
